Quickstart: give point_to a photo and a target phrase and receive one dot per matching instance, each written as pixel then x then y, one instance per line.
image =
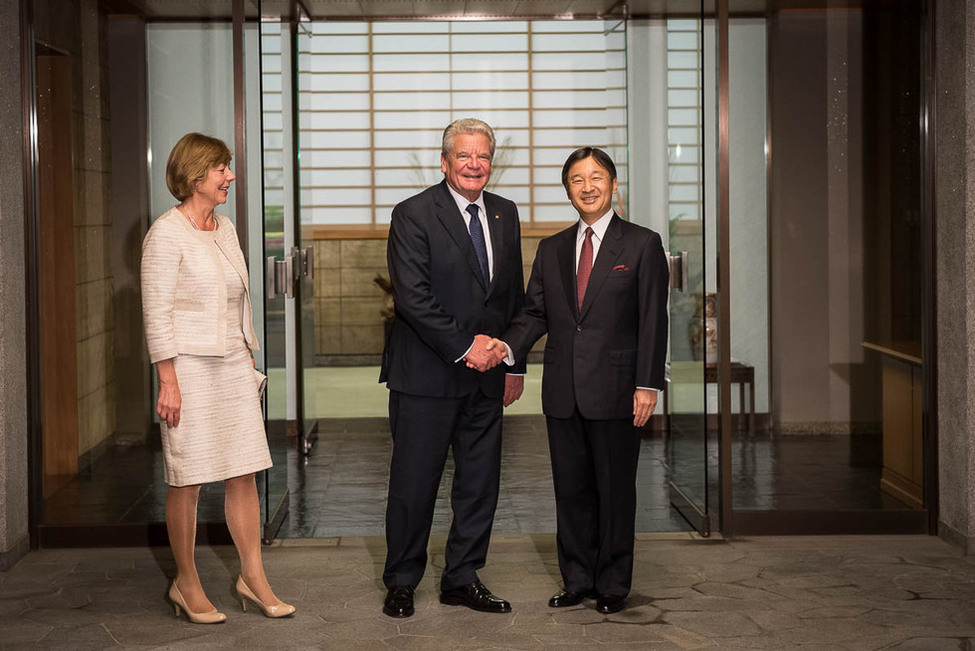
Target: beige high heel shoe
pixel 212 617
pixel 279 609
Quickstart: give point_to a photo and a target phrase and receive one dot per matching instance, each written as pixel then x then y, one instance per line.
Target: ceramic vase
pixel 703 328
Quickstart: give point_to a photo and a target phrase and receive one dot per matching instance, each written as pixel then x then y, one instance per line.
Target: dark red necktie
pixel 585 267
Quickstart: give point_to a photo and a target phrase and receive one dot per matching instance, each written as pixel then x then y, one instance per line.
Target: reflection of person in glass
pixel 599 289
pixel 200 334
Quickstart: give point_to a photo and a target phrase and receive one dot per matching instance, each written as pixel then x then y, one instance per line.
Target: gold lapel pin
pixel 497 217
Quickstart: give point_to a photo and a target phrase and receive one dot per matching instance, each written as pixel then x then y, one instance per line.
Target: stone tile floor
pixel 855 593
pixel 340 489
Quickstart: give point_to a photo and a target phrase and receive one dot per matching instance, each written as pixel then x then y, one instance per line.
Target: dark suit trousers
pixel 594 469
pixel 423 429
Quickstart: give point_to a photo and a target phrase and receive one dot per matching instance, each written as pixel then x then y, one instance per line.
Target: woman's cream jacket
pixel 184 293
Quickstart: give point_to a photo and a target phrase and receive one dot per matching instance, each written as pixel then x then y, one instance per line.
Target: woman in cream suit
pixel 200 335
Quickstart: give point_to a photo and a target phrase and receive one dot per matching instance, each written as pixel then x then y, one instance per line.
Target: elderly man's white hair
pixel 465 126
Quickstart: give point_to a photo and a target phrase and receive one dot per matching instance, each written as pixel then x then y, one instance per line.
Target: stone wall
pixel 94 238
pixel 348 302
pixel 348 323
pixel 13 333
pixel 955 270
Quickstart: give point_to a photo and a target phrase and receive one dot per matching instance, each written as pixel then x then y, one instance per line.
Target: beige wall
pixel 821 378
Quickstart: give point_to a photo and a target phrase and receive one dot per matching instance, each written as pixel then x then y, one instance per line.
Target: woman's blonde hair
pixel 191 160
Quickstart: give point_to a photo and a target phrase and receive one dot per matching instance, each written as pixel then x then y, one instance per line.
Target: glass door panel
pixel 287 266
pixel 265 63
pixel 693 332
pixel 826 109
pixel 306 259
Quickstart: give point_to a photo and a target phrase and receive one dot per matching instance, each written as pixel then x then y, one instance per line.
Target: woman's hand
pixel 169 398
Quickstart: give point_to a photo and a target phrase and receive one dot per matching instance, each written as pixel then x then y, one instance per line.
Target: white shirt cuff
pixel 509 359
pixel 465 353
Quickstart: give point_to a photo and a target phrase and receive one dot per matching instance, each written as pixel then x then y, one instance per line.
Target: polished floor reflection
pixel 340 489
pixel 828 472
pixel 125 486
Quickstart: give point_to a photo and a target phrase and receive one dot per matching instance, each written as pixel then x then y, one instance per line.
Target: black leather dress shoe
pixel 564 598
pixel 399 601
pixel 607 604
pixel 476 597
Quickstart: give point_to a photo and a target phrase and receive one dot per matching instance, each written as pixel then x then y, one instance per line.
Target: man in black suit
pixel 599 289
pixel 454 257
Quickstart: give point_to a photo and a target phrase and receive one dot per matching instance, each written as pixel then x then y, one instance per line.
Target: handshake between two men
pixel 488 352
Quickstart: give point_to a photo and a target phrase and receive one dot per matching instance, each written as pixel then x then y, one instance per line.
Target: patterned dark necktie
pixel 585 267
pixel 480 248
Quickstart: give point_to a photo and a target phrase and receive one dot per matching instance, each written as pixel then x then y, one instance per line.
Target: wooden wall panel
pixel 59 366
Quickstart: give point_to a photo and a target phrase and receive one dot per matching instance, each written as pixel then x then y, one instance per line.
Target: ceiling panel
pixel 491 8
pixel 335 9
pixel 664 7
pixel 549 7
pixel 461 9
pixel 330 9
pixel 372 9
pixel 195 9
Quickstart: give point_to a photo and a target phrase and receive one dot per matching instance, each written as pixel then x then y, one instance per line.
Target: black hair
pixel 582 153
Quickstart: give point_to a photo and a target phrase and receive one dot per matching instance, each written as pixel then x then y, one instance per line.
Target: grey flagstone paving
pixel 829 592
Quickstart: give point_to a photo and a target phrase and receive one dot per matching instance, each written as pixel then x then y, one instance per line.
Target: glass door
pixel 693 316
pixel 265 64
pixel 827 274
pixel 304 254
pixel 288 267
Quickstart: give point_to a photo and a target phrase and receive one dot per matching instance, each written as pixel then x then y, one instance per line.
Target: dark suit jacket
pixel 596 358
pixel 440 297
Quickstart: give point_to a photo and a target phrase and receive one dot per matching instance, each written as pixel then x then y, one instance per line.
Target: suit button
pixel 578 328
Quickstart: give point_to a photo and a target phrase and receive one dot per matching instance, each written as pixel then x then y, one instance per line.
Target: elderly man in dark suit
pixel 454 256
pixel 599 289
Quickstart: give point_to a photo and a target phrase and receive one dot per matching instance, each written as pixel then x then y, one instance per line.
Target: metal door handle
pixel 280 277
pixel 679 271
pixel 307 265
pixel 270 277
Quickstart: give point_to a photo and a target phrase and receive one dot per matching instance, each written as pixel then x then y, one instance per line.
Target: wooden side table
pixel 903 447
pixel 741 374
